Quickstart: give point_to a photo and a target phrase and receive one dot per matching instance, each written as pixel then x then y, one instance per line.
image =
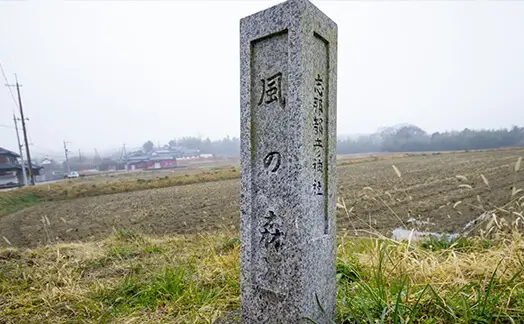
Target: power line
pixel 7 82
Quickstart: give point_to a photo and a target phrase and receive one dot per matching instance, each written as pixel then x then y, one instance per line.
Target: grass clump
pixel 171 284
pixel 227 245
pixel 407 283
pixel 10 202
pixel 432 243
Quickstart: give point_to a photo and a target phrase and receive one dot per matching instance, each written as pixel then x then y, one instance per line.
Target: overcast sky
pixel 103 73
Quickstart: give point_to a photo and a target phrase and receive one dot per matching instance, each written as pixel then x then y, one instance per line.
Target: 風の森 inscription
pixel 268 97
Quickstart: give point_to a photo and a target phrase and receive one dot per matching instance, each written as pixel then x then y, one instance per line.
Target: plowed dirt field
pixel 424 188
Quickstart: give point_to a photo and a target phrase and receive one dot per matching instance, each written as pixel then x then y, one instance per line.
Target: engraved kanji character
pixel 318 143
pixel 318 125
pixel 319 86
pixel 317 165
pixel 318 80
pixel 271 231
pixel 318 105
pixel 317 188
pixel 272 90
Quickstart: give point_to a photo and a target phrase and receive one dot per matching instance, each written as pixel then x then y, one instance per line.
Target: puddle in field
pixel 402 234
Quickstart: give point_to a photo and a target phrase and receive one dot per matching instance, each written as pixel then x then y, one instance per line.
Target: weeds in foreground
pixel 193 279
pixel 409 284
pixel 476 279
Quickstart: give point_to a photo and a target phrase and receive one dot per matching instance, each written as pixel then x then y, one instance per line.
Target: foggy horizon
pixel 100 74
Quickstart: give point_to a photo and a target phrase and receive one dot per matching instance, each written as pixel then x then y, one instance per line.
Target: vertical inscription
pixel 319 126
pixel 318 131
pixel 269 59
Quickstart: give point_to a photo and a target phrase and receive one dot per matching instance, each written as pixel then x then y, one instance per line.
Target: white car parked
pixel 73 174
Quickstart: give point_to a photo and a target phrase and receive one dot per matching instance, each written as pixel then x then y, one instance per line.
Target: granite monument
pixel 288 63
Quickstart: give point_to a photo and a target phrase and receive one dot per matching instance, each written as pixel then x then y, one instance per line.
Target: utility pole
pixel 123 154
pixel 96 160
pixel 24 129
pixel 20 150
pixel 67 157
pixel 79 156
pixel 97 156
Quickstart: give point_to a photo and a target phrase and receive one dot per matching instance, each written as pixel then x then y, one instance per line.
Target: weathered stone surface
pixel 288 136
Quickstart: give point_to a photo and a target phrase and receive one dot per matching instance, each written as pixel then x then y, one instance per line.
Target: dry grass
pixel 126 276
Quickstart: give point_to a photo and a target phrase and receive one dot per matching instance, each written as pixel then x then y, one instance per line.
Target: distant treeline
pixel 225 146
pixel 406 138
pixel 411 138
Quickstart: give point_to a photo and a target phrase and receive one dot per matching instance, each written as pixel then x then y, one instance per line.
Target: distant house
pixel 164 158
pixel 46 161
pixel 154 160
pixel 137 161
pixel 11 170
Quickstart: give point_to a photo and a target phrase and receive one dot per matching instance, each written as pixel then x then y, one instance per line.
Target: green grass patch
pixel 444 243
pixel 11 202
pixel 134 292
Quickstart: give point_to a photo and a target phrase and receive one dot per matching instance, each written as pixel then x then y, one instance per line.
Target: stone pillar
pixel 288 63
